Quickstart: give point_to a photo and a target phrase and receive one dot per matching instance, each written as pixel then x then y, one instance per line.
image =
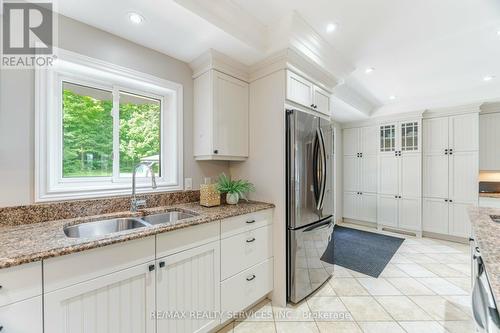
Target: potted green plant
pixel 234 189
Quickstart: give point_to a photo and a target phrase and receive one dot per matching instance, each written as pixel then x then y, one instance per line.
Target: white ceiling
pixel 428 53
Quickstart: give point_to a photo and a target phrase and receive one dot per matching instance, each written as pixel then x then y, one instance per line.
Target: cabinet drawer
pixel 187 238
pixel 20 282
pixel 244 289
pixel 244 250
pixel 22 317
pixel 239 224
pixel 82 266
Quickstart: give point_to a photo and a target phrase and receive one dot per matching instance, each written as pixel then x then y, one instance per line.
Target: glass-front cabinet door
pixel 410 136
pixel 387 138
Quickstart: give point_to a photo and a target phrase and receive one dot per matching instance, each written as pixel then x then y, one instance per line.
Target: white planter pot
pixel 232 198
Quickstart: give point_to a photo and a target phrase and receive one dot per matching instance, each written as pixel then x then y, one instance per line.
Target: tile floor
pixel 425 288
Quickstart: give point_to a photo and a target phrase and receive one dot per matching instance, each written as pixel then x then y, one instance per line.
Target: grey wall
pixel 17 106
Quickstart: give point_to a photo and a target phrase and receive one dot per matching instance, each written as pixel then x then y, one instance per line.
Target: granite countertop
pixel 489 195
pixel 32 242
pixel 487 238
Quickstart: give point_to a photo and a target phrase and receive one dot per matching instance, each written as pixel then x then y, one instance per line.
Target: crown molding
pixel 452 111
pixel 291 59
pixel 414 115
pixel 490 107
pixel 213 59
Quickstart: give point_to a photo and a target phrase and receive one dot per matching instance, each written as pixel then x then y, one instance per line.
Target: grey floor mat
pixel 361 251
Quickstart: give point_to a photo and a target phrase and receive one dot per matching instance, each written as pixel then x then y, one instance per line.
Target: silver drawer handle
pixel 251 221
pixel 251 240
pixel 251 277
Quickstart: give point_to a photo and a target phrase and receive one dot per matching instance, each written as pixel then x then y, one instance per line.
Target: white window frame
pixel 74 68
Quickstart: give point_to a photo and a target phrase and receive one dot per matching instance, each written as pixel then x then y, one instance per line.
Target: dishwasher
pixel 484 307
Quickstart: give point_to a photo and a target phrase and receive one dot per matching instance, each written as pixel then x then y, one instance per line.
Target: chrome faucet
pixel 135 204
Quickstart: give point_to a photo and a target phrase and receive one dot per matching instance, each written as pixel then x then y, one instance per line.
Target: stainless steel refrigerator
pixel 310 222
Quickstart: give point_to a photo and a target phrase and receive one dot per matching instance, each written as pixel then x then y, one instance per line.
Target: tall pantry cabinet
pixel 451 170
pixel 360 147
pixel 399 176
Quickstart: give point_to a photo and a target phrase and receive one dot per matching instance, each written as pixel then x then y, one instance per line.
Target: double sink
pixel 111 226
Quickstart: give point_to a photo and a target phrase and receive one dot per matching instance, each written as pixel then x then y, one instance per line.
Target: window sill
pixel 102 193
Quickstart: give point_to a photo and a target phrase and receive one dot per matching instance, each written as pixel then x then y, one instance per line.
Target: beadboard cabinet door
pixel 230 118
pixel 121 302
pixel 189 282
pixel 220 123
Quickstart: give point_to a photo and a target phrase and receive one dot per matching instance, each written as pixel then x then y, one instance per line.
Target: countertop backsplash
pixel 18 215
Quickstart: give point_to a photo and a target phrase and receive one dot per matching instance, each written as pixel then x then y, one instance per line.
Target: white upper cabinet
pixel 489 137
pixel 435 135
pixel 321 100
pixel 464 132
pixel 350 142
pixel 220 117
pixel 306 93
pixel 369 140
pixel 387 138
pixel 299 90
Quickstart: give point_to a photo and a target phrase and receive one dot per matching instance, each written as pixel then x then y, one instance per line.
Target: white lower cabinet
pixel 188 290
pixel 240 291
pixel 22 317
pixel 399 212
pixel 121 302
pixel 387 210
pixel 447 218
pixel 245 250
pixel 172 282
pixel 410 214
pixel 247 261
pixel 435 218
pixel 360 206
pixel 459 220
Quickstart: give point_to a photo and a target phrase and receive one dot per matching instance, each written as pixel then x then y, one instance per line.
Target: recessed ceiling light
pixel 369 70
pixel 135 18
pixel 331 27
pixel 488 78
pixel 392 97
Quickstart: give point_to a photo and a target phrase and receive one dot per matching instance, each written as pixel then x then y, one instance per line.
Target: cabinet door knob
pixel 251 240
pixel 450 200
pixel 151 268
pixel 446 200
pixel 162 264
pixel 251 277
pixel 471 239
pixel 1 328
pixel 216 151
pixel 312 105
pixel 251 221
pixel 396 196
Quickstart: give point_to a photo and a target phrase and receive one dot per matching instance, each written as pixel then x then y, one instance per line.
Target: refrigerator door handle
pixel 323 169
pixel 316 165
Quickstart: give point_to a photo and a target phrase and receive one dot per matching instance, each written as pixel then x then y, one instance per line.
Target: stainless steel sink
pixel 167 217
pixel 104 227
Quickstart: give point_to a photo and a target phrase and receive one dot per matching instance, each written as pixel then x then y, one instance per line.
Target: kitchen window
pixel 96 121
